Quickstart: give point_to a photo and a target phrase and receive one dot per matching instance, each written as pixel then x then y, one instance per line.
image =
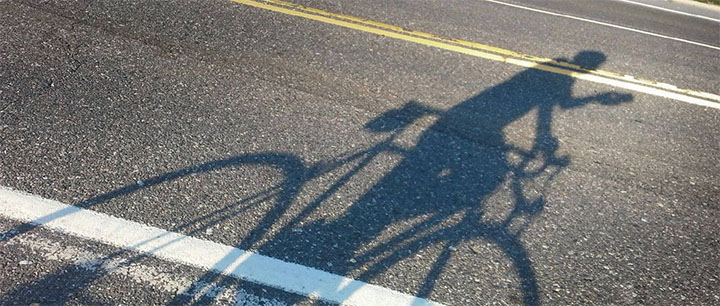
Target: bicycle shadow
pixel 456 165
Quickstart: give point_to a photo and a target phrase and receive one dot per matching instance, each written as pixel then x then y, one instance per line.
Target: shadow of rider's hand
pixel 606 98
pixel 613 98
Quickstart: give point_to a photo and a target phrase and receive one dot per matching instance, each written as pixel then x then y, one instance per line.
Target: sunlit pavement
pixel 322 152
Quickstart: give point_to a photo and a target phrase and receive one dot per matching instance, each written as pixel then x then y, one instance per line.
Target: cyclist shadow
pixel 455 166
pixel 445 179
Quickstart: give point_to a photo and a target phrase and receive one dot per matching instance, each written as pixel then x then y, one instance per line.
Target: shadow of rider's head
pixel 589 59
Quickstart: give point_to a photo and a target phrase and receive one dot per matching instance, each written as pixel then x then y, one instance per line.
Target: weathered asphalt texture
pixel 50 268
pixel 428 172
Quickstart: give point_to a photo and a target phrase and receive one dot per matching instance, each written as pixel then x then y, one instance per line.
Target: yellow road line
pixel 498 50
pixel 484 51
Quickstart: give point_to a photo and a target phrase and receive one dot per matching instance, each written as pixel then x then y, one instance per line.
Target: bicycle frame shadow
pixel 452 170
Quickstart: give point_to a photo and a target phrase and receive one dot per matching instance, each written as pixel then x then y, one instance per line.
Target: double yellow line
pixel 491 53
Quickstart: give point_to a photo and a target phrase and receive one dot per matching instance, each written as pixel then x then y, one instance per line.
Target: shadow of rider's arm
pixel 606 98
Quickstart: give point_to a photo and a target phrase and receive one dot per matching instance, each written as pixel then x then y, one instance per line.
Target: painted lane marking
pixel 605 24
pixel 669 10
pixel 127 266
pixel 501 51
pixel 491 53
pixel 204 254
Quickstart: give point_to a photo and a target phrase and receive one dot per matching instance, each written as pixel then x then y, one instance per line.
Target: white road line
pixel 605 24
pixel 124 265
pixel 196 252
pixel 669 10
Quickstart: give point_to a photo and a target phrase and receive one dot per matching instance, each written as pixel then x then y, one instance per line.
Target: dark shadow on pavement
pixel 455 166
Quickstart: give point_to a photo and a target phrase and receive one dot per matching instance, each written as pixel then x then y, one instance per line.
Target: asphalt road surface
pixel 263 153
